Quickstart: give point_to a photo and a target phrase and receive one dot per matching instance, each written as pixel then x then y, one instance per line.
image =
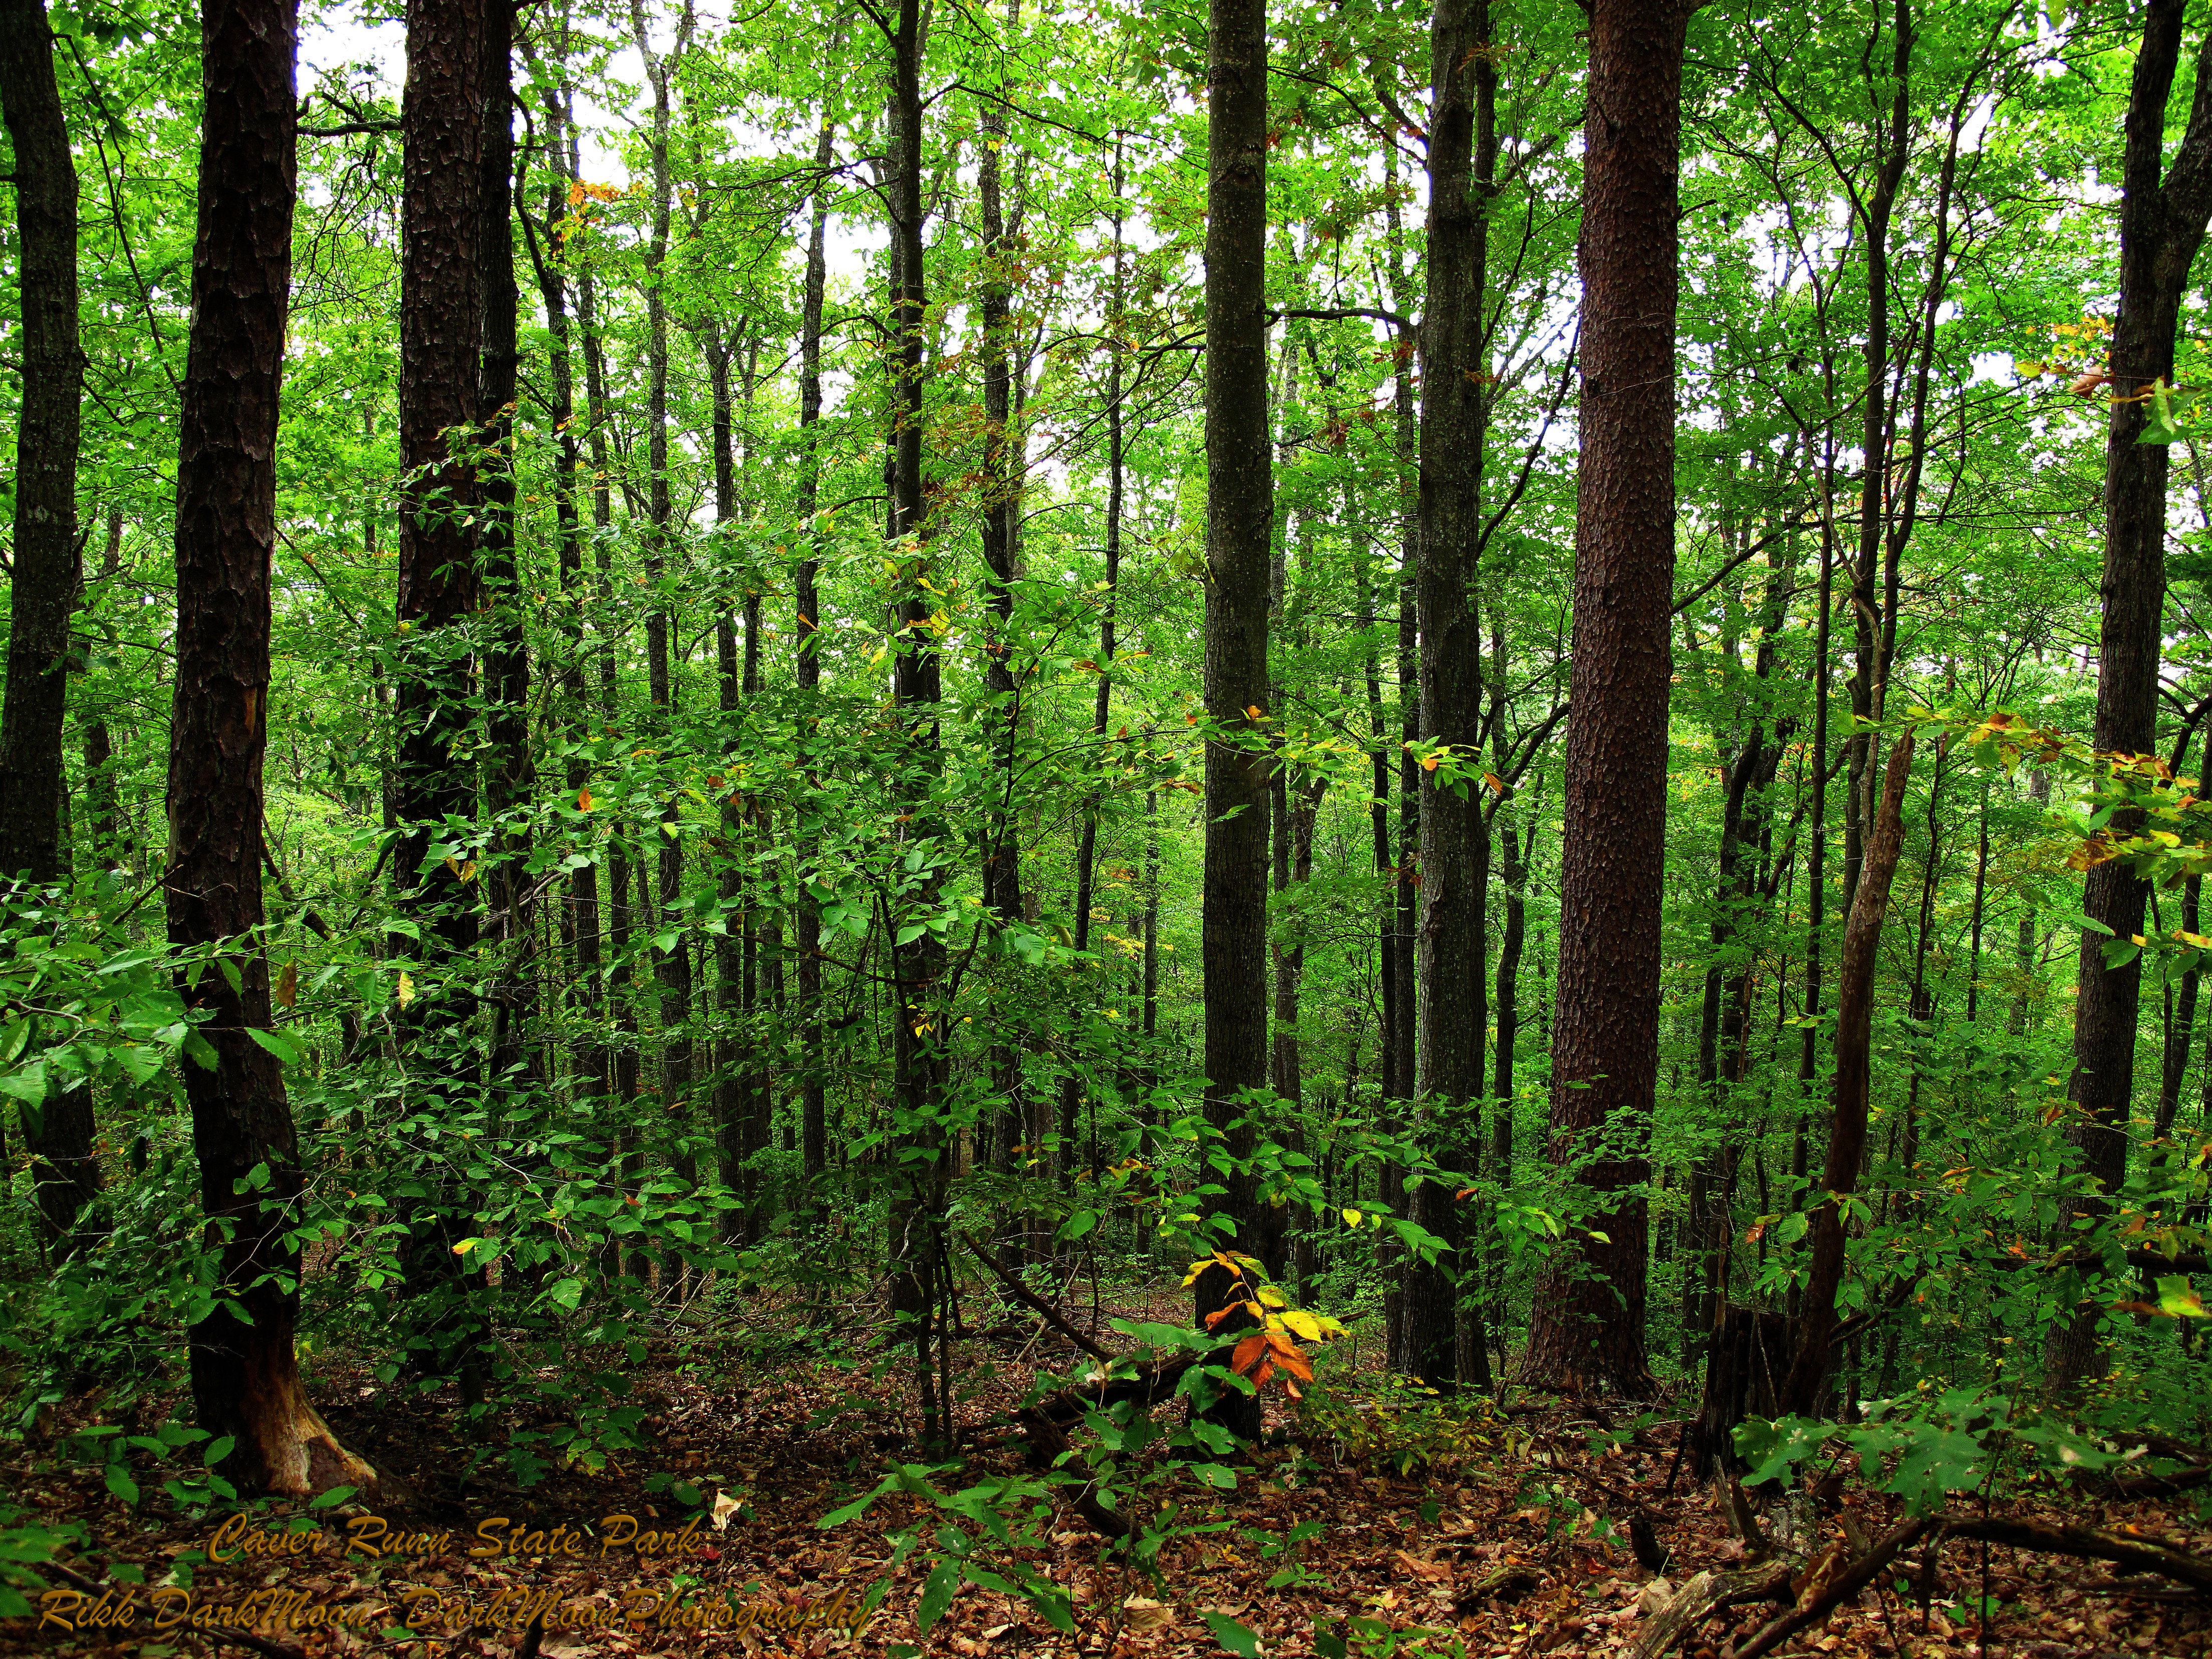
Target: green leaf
pixel 331 1499
pixel 936 1594
pixel 120 1482
pixel 285 1052
pixel 1232 1635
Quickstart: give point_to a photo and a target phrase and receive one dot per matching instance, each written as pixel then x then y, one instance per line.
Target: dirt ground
pixel 1489 1547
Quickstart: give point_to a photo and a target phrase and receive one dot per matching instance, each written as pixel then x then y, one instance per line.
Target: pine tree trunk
pixel 245 1372
pixel 1588 1318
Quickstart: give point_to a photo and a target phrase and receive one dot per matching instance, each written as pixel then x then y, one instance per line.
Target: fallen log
pixel 2142 1555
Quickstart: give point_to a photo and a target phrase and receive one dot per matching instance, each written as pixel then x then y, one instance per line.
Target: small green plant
pixel 1399 1425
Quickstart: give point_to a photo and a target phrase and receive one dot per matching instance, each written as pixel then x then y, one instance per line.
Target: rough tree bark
pixel 1451 945
pixel 245 1372
pixel 65 1172
pixel 1240 511
pixel 43 588
pixel 2162 223
pixel 441 337
pixel 1588 1322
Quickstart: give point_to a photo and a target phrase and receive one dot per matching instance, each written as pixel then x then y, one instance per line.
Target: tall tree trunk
pixel 511 778
pixel 245 1371
pixel 735 971
pixel 2162 223
pixel 1452 947
pixel 1588 1322
pixel 918 1244
pixel 43 588
pixel 580 917
pixel 441 338
pixel 814 1138
pixel 65 1172
pixel 1813 1339
pixel 672 966
pixel 1240 511
pixel 1001 508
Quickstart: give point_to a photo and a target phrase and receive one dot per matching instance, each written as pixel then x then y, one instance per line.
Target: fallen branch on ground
pixel 1814 1605
pixel 2142 1555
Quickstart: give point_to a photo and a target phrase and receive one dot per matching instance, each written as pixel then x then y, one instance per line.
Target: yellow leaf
pixel 1303 1324
pixel 406 989
pixel 1353 1218
pixel 288 985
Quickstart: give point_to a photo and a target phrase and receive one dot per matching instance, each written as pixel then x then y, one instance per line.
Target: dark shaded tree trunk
pixel 1814 1339
pixel 442 334
pixel 1240 511
pixel 920 1072
pixel 42 592
pixel 42 589
pixel 813 1136
pixel 1589 1319
pixel 245 1371
pixel 2162 223
pixel 511 777
pixel 1452 945
pixel 1000 507
pixel 434 783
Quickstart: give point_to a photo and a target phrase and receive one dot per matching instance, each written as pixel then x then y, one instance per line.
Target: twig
pixel 1044 1309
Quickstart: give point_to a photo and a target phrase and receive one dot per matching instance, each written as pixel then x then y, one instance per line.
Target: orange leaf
pixel 583 801
pixel 1252 1349
pixel 1219 1314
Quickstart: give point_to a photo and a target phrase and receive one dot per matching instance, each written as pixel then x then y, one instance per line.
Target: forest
pixel 965 827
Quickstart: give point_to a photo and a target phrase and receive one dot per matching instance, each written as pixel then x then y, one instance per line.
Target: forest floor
pixel 1489 1545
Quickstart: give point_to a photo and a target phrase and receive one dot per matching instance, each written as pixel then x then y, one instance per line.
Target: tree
pixel 1239 513
pixel 2164 208
pixel 43 589
pixel 1588 1318
pixel 245 1371
pixel 441 340
pixel 1452 940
